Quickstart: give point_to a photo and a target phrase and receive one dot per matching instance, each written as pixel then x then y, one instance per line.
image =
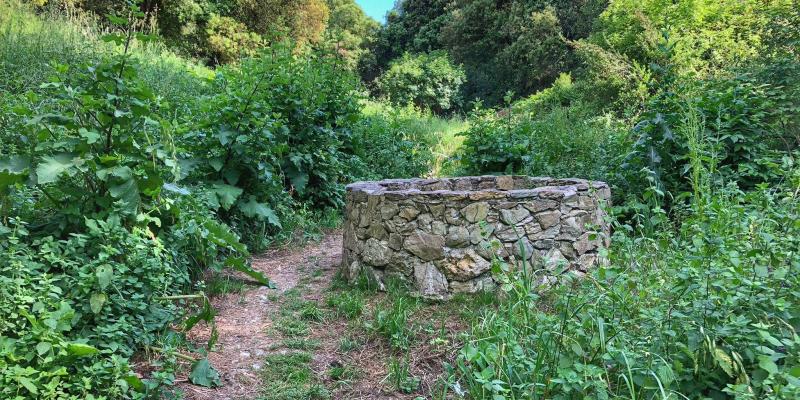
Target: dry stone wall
pixel 442 234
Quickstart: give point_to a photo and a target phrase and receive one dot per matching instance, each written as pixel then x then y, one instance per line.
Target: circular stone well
pixel 442 234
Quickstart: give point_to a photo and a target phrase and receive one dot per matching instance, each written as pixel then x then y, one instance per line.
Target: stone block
pixel 514 215
pixel 429 281
pixel 408 213
pixel 376 253
pixel 476 211
pixel 424 245
pixel 464 264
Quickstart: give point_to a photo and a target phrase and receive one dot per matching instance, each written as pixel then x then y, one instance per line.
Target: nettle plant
pixel 110 236
pixel 277 131
pixel 103 148
pixel 106 149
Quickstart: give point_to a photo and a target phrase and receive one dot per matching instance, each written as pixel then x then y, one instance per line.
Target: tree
pixel 349 31
pixel 509 45
pixel 426 80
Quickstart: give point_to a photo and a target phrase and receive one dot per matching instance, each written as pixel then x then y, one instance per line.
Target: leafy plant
pixel 276 132
pixel 428 81
pixel 703 311
pixel 95 180
pixel 400 376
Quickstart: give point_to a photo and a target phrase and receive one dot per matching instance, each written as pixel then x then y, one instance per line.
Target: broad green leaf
pixel 216 163
pixel 8 179
pixel 232 175
pixel 96 302
pixel 127 192
pixel 171 187
pixel 117 38
pixel 224 136
pixel 28 384
pixel 91 137
pixel 145 38
pixel 298 178
pixel 104 274
pixel 254 209
pixel 226 194
pixel 768 365
pixel 13 170
pixel 51 167
pixel 81 349
pixel 135 383
pixel 203 374
pixel 122 172
pixel 186 167
pixel 43 347
pixel 15 164
pixel 222 235
pixel 118 21
pixel 206 314
pixel 151 186
pixel 239 264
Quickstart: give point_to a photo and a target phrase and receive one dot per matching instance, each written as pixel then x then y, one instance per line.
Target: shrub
pixel 229 40
pixel 95 180
pixel 743 122
pixel 277 131
pixel 76 309
pixel 708 311
pixel 426 80
pixel 541 136
pixel 394 142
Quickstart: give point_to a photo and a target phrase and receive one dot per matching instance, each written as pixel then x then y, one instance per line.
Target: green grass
pixel 300 343
pixel 224 284
pixel 348 343
pixel 289 377
pixel 31 45
pixel 435 138
pixel 291 326
pixel 311 312
pixel 400 376
pixel 348 304
pixel 448 142
pixel 391 318
pixel 342 374
pixel 441 134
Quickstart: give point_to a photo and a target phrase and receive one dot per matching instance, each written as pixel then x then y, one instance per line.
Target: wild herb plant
pixel 707 310
pixel 99 165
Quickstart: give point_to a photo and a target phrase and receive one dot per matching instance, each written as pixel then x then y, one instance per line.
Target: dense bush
pixel 426 80
pixel 743 121
pixel 74 310
pixel 394 142
pixel 549 134
pixel 94 239
pixel 127 172
pixel 519 45
pixel 277 131
pixel 699 298
pixel 220 31
pixel 705 312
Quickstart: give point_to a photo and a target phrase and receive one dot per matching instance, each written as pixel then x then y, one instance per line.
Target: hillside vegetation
pixel 148 149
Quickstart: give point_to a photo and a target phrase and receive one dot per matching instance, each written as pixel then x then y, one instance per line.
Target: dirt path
pixel 243 319
pixel 290 344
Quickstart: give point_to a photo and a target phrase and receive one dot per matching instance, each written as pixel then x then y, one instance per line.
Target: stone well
pixel 442 234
